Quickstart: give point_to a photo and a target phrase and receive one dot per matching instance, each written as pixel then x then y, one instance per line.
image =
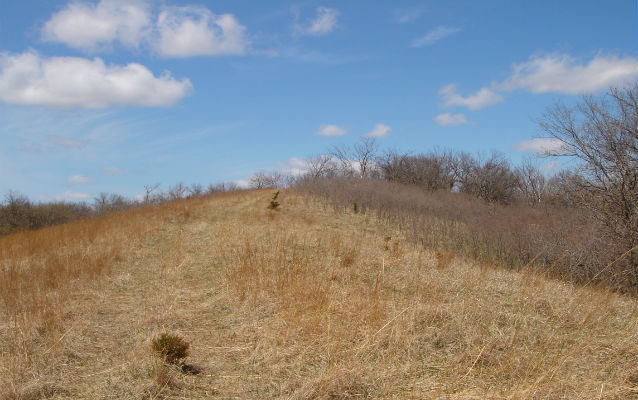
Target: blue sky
pixel 107 96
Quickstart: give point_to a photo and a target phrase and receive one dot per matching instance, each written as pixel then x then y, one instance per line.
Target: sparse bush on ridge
pixel 559 241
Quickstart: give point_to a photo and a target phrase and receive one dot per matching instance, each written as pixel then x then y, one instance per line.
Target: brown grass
pixel 306 303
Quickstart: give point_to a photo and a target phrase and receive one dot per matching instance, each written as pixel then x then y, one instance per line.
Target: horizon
pixel 109 96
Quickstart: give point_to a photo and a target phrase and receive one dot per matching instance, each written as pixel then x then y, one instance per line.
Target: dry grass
pixel 302 303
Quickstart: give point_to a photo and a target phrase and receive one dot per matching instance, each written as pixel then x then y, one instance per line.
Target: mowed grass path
pixel 306 303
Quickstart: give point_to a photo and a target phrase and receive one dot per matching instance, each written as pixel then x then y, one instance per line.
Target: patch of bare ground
pixel 301 302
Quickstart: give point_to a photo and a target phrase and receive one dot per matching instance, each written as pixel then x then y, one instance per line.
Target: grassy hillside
pixel 295 303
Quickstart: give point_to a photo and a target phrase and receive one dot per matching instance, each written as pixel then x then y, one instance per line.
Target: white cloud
pixel 242 183
pixel 481 99
pixel 294 167
pixel 30 79
pixel 89 27
pixel 433 36
pixel 324 23
pixel 138 198
pixel 541 146
pixel 407 15
pixel 331 131
pixel 111 171
pixel 379 131
pixel 70 195
pixel 563 74
pixel 196 31
pixel 66 142
pixel 449 119
pixel 556 73
pixel 80 179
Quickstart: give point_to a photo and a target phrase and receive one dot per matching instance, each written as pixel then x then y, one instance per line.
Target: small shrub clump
pixel 274 204
pixel 172 348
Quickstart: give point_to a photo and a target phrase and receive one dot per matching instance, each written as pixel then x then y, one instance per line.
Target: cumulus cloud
pixel 67 82
pixel 196 31
pixel 80 179
pixel 174 32
pixel 324 22
pixel 481 99
pixel 111 171
pixel 331 131
pixel 379 131
pixel 449 119
pixel 433 36
pixel 541 146
pixel 89 27
pixel 66 142
pixel 561 73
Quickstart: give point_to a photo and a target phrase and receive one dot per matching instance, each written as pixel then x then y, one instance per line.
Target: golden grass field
pixel 297 303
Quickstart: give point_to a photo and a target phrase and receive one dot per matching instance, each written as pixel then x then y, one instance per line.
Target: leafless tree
pixel 320 166
pixel 148 192
pixel 432 171
pixel 358 160
pixel 177 191
pixel 601 133
pixel 531 182
pixel 261 180
pixel 489 178
pixel 195 190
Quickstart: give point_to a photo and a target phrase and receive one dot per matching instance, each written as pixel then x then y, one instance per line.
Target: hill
pixel 300 302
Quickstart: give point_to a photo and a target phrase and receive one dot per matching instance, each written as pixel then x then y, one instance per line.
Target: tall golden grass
pixel 298 303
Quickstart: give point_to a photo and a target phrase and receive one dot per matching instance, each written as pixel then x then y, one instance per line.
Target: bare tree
pixel 261 180
pixel 358 160
pixel 531 182
pixel 195 190
pixel 432 171
pixel 320 166
pixel 488 178
pixel 177 191
pixel 602 134
pixel 148 192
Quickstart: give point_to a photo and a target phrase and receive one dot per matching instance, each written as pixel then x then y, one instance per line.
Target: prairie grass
pixel 303 303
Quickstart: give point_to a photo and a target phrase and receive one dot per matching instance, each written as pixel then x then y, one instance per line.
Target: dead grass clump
pixel 444 259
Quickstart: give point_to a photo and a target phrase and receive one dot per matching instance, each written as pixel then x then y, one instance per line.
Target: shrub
pixel 274 204
pixel 172 348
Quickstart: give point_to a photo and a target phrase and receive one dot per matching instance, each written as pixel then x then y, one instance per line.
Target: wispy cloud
pixel 554 73
pixel 541 146
pixel 434 36
pixel 111 171
pixel 71 195
pixel 331 131
pixel 325 21
pixel 379 131
pixel 67 142
pixel 403 16
pixel 80 179
pixel 449 119
pixel 481 99
pixel 561 73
